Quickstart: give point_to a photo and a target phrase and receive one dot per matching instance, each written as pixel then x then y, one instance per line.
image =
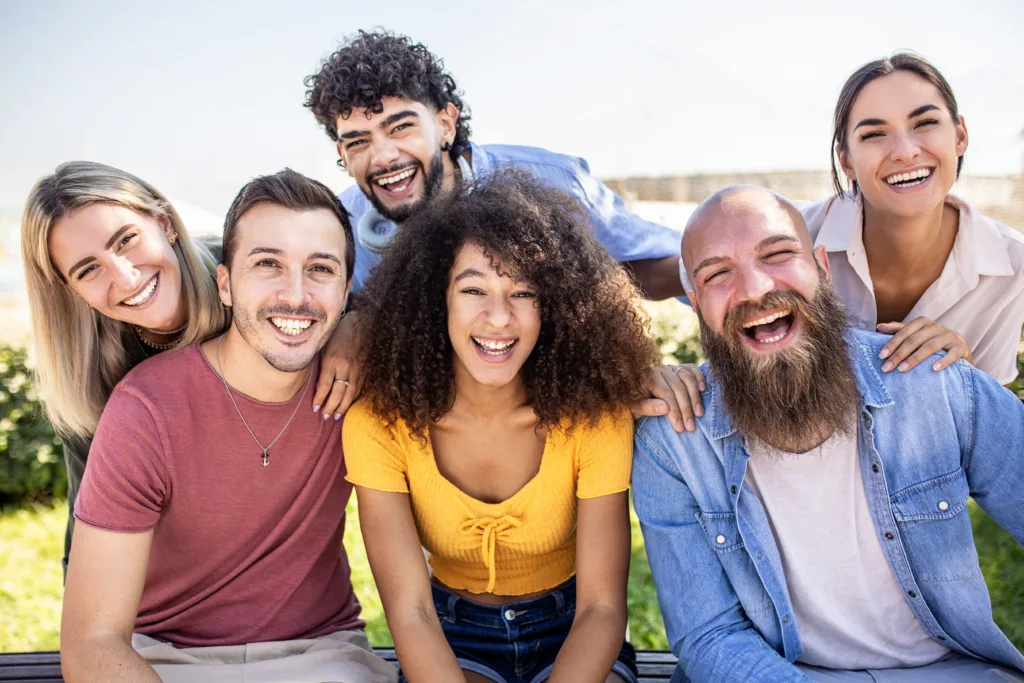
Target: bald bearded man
pixel 815 525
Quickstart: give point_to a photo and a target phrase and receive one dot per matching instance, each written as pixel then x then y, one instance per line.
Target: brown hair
pixel 292 191
pixel 901 61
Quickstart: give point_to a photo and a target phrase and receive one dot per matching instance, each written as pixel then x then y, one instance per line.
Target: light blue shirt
pixel 626 236
pixel 927 441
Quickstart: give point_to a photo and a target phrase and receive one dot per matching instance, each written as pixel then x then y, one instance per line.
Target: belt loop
pixel 559 600
pixel 452 600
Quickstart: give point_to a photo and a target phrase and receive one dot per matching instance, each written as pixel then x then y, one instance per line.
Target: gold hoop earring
pixel 173 238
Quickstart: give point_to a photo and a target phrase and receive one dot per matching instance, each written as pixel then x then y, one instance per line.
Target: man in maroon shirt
pixel 213 507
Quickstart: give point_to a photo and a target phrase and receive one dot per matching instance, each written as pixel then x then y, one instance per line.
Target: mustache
pixel 772 301
pixel 293 312
pixel 370 177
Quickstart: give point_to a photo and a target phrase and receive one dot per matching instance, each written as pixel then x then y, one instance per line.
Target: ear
pixel 348 291
pixel 224 284
pixel 961 137
pixel 846 166
pixel 821 256
pixel 692 296
pixel 165 225
pixel 446 120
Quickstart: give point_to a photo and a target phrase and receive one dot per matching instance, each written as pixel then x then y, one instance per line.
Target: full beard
pixel 432 182
pixel 795 399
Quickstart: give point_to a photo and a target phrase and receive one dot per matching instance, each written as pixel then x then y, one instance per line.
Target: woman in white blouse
pixel 908 257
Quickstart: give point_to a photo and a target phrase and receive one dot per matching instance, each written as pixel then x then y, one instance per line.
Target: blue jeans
pixel 516 642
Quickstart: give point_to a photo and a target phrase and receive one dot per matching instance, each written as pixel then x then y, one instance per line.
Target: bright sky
pixel 198 96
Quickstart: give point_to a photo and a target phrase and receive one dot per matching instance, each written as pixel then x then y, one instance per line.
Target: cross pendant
pixel 266 458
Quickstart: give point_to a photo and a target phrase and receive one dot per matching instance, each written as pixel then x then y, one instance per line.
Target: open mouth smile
pixel 291 327
pixel 397 184
pixel 144 294
pixel 910 178
pixel 769 329
pixel 494 350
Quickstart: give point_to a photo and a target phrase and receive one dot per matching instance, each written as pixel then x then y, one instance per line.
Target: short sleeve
pixel 996 353
pixel 125 485
pixel 605 456
pixel 374 458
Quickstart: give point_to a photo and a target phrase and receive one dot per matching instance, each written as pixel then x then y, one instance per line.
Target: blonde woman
pixel 113 278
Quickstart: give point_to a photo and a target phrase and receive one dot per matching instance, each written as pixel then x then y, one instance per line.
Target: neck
pixel 452 172
pixel 162 335
pixel 896 244
pixel 247 372
pixel 484 402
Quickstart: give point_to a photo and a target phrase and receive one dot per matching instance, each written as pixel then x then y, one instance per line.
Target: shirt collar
pixel 869 382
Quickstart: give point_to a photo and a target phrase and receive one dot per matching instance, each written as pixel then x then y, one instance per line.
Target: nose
pixel 499 312
pixel 124 273
pixel 754 284
pixel 904 147
pixel 383 153
pixel 293 290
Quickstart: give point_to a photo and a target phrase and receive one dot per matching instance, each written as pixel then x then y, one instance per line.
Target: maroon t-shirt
pixel 241 553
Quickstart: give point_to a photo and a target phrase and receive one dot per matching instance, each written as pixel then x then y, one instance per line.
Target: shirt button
pixel 720 540
pixel 733 489
pixel 912 594
pixel 889 536
pixel 874 468
pixel 785 618
pixel 510 615
pixel 759 555
pixel 943 505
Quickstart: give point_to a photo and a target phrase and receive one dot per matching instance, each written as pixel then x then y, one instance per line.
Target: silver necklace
pixel 266 455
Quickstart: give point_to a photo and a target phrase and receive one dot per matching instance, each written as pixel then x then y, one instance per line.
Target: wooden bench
pixel 44 667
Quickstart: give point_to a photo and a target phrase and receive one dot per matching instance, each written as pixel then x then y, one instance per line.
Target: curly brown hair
pixel 593 350
pixel 373 65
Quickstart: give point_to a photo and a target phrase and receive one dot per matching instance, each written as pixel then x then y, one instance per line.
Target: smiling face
pixel 750 265
pixel 121 263
pixel 395 156
pixel 493 321
pixel 287 285
pixel 902 145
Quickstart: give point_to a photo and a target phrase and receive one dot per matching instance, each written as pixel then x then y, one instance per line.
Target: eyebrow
pixel 265 250
pixel 914 114
pixel 468 272
pixel 106 247
pixel 323 256
pixel 766 242
pixel 383 124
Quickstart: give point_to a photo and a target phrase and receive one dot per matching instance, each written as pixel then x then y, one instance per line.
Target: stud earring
pixel 173 238
pixel 446 146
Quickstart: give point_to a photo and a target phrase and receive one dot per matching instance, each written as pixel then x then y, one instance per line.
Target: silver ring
pixel 343 381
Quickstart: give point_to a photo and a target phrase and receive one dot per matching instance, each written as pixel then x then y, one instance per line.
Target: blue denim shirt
pixel 925 438
pixel 625 235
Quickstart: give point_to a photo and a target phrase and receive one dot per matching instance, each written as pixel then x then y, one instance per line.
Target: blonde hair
pixel 79 353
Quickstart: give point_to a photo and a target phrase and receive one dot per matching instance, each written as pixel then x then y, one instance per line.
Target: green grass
pixel 31 544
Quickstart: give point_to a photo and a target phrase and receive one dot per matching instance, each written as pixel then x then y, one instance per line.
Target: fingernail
pixel 935 367
pixel 678 424
pixel 904 367
pixel 885 352
pixel 887 366
pixel 690 425
pixel 698 411
pixel 337 416
pixel 316 409
pixel 327 416
pixel 703 387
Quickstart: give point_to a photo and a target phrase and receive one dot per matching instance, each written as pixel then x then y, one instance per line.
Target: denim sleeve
pixel 706 625
pixel 994 459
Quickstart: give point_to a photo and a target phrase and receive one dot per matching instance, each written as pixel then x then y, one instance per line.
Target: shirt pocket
pixel 934 500
pixel 720 528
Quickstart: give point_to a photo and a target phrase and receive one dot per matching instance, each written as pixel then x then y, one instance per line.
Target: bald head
pixel 739 207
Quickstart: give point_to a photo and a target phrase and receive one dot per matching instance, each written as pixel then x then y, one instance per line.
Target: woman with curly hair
pixel 494 431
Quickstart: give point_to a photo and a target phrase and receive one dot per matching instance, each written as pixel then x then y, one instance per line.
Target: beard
pixel 432 182
pixel 794 399
pixel 299 358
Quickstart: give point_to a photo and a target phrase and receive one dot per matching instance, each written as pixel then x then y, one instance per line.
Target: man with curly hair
pixel 402 132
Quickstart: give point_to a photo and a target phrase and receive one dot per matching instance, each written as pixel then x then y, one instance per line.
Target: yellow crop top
pixel 522 545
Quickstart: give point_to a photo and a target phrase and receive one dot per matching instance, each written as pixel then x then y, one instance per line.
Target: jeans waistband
pixel 556 602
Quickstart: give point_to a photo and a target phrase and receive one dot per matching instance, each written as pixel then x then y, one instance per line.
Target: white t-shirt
pixel 979 294
pixel 850 610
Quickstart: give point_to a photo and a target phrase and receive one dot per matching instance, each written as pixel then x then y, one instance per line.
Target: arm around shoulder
pixel 707 627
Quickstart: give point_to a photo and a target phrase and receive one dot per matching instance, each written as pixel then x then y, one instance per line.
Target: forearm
pixel 105 660
pixel 657 278
pixel 422 650
pixel 594 642
pixel 736 656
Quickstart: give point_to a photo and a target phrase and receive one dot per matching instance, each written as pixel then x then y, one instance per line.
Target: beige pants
pixel 342 657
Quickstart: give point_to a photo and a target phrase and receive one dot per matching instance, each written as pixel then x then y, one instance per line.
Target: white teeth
pixel 493 346
pixel 142 296
pixel 767 319
pixel 291 326
pixel 899 178
pixel 384 182
pixel 769 340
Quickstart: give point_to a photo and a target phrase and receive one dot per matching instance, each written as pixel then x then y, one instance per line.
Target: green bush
pixel 31 456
